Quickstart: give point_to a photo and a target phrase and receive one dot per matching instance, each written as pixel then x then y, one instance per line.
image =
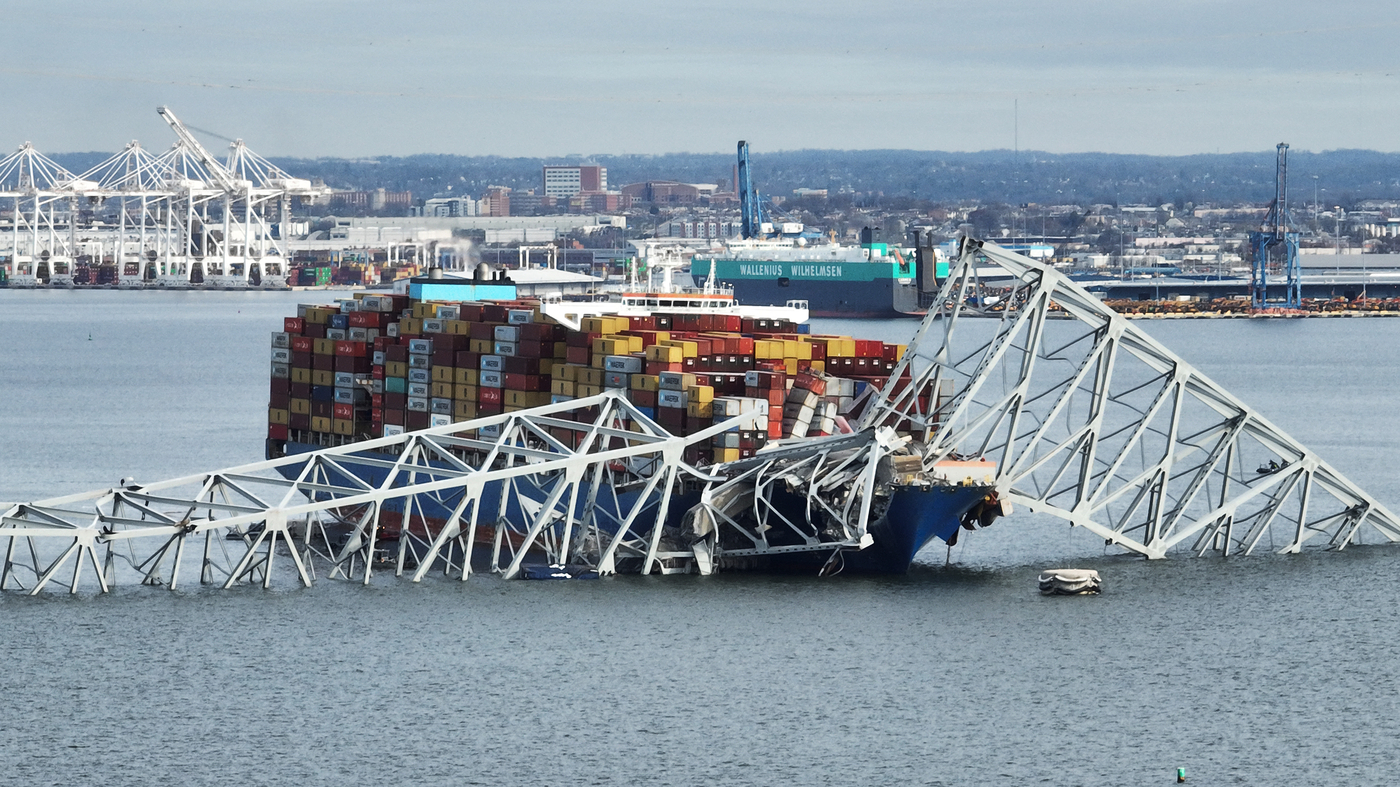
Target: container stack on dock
pixel 379 365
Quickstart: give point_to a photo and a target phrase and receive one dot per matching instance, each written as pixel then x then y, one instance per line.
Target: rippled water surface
pixel 1264 670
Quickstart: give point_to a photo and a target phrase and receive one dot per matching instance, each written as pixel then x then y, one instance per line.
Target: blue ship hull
pixel 915 517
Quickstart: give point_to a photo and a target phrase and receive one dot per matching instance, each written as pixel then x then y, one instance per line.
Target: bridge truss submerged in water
pixel 1087 418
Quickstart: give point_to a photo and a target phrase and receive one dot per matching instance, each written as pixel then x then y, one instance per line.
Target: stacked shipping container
pixel 381 365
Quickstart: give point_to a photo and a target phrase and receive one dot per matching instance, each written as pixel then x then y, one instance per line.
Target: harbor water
pixel 1260 670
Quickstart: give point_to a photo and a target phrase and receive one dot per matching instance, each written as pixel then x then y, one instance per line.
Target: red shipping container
pixel 294 325
pixel 534 349
pixel 346 363
pixel 301 360
pixel 642 323
pixel 368 320
pixel 397 353
pixel 395 401
pixel 577 355
pixel 302 344
pixel 314 330
pixel 518 365
pixel 537 332
pixel 279 400
pixel 282 385
pixel 489 408
pixel 415 420
pixel 493 312
pixel 523 382
pixel 300 421
pixel 393 417
pixel 486 395
pixel 376 401
pixel 466 359
pixel 277 431
pixel 642 398
pixel 580 339
pixel 352 349
pixel 345 412
pixel 376 372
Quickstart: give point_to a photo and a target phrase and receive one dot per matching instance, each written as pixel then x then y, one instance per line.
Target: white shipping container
pixel 616 380
pixel 506 349
pixel 358 334
pixel 281 339
pixel 492 363
pixel 281 371
pixel 672 398
pixel 376 386
pixel 440 405
pixel 491 379
pixel 344 379
pixel 416 361
pixel 507 333
pixel 378 358
pixel 420 346
pixel 420 376
pixel 434 326
pixel 417 404
pixel 672 381
pixel 391 430
pixel 336 334
pixel 449 312
pixel 393 333
pixel 439 420
pixel 519 316
pixel 281 355
pixel 418 389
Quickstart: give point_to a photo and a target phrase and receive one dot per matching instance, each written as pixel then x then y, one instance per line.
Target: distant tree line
pixel 887 178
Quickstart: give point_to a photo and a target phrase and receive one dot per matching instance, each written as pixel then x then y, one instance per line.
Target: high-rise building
pixel 566 181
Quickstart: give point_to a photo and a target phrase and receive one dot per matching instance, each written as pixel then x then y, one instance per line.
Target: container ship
pixel 872 280
pixel 376 365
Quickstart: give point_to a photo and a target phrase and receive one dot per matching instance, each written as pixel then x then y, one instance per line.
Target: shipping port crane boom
pixel 1276 236
pixel 213 165
pixel 748 198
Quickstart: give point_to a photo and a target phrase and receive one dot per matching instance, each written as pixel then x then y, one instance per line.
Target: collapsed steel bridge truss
pixel 1091 420
pixel 593 493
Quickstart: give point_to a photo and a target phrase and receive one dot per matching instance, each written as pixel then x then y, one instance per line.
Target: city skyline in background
pixel 360 79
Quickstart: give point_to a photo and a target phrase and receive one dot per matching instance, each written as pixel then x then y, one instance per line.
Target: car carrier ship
pixel 448 351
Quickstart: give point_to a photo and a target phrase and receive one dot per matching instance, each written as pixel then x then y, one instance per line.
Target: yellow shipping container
pixel 319 316
pixel 564 371
pixel 457 327
pixel 395 369
pixel 442 390
pixel 410 326
pixel 464 392
pixel 300 406
pixel 300 375
pixel 482 346
pixel 321 377
pixel 590 376
pixel 818 366
pixel 646 382
pixel 701 393
pixel 688 349
pixel 442 374
pixel 700 409
pixel 547 366
pixel 562 387
pixel 276 415
pixel 726 454
pixel 585 391
pixel 423 310
pixel 323 346
pixel 561 350
pixel 790 365
pixel 465 410
pixel 461 376
pixel 665 354
pixel 342 426
pixel 320 424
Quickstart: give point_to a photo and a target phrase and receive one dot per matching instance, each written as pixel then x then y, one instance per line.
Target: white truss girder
pixel 1091 420
pixel 436 496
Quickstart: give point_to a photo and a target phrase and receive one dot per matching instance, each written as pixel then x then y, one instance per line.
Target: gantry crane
pixel 748 198
pixel 1276 237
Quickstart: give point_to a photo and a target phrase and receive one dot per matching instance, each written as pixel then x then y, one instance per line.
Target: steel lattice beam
pixel 1093 421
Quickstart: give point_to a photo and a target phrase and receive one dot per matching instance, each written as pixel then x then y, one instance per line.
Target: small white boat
pixel 1069 582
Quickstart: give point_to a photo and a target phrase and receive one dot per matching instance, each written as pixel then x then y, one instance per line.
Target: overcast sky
pixel 528 78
